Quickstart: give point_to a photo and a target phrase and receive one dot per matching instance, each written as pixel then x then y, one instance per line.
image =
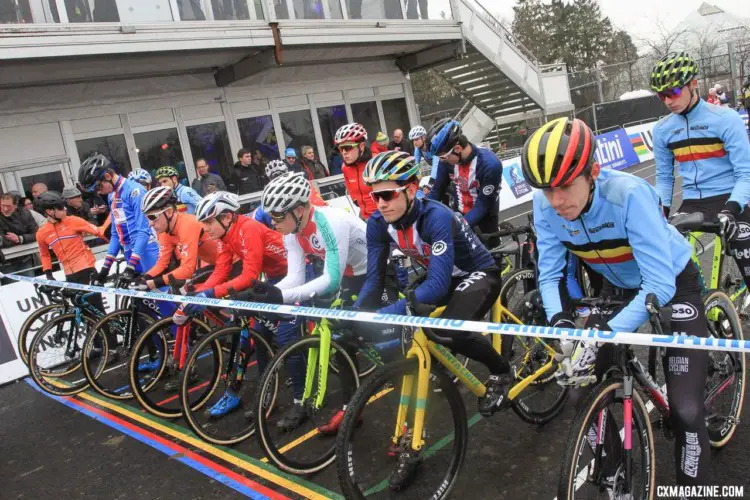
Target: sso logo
pixel 439 248
pixel 488 190
pixel 683 312
pixel 315 242
pixel 743 231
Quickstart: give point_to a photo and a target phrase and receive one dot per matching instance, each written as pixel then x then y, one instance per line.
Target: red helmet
pixel 351 132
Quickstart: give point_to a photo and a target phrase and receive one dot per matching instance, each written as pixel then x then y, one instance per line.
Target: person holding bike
pixel 711 148
pixel 187 197
pixel 613 222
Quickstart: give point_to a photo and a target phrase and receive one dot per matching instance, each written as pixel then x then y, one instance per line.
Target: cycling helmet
pixel 285 193
pixel 275 168
pixel 675 70
pixel 140 175
pixel 557 153
pixel 396 166
pixel 166 172
pixel 417 132
pixel 216 204
pixel 92 170
pixel 70 192
pixel 158 198
pixel 351 132
pixel 443 136
pixel 51 199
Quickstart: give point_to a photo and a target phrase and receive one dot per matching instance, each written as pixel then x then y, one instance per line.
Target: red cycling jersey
pixel 259 248
pixel 358 190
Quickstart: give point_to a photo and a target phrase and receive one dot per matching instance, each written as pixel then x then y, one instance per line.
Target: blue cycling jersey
pixel 623 236
pixel 476 184
pixel 712 151
pixel 432 234
pixel 130 229
pixel 187 197
pixel 262 216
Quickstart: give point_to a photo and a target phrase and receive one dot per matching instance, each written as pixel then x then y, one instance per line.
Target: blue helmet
pixel 140 175
pixel 443 136
pixel 290 152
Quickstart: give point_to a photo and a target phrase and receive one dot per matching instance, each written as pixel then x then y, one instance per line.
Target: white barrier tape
pixel 485 328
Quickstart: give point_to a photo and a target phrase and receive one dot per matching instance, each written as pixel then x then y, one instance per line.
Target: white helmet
pixel 158 198
pixel 275 168
pixel 216 204
pixel 351 132
pixel 285 193
pixel 417 132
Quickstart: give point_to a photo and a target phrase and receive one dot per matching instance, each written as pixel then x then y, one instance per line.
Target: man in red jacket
pixel 351 141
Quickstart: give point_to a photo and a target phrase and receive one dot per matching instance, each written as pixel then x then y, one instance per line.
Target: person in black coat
pixel 245 178
pixel 17 226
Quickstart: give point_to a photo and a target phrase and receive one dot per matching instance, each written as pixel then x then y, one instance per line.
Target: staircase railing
pixel 503 32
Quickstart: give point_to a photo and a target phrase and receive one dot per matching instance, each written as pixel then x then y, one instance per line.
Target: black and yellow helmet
pixel 675 70
pixel 557 153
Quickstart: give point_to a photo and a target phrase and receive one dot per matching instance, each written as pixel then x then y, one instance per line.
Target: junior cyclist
pixel 351 142
pixel 140 176
pixel 613 222
pixel 187 197
pixel 712 151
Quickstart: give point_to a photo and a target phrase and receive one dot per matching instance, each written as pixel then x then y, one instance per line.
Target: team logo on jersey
pixel 135 193
pixel 182 250
pixel 743 231
pixel 683 312
pixel 315 243
pixel 488 190
pixel 439 248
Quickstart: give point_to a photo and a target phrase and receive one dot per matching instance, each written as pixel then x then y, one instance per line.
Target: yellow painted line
pixel 198 443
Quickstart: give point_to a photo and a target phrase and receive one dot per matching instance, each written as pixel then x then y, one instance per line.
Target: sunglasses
pixel 277 216
pixel 345 148
pixel 446 155
pixel 154 216
pixel 386 194
pixel 669 93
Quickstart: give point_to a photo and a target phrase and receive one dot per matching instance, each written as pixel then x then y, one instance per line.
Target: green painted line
pixel 181 430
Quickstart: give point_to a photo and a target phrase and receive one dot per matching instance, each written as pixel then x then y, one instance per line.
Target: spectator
pixel 398 143
pixel 503 146
pixel 293 164
pixel 712 98
pixel 206 182
pixel 335 161
pixel 244 178
pixel 259 163
pixel 76 206
pixel 17 227
pixel 380 144
pixel 38 189
pixel 28 205
pixel 312 164
pixel 721 95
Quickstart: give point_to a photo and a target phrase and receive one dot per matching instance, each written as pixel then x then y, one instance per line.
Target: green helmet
pixel 166 172
pixel 675 70
pixel 396 166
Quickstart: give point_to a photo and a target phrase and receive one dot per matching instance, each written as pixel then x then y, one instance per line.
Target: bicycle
pixel 430 423
pixel 585 470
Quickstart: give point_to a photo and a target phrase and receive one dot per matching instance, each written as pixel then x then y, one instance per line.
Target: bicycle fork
pixel 318 357
pixel 407 393
pixel 627 442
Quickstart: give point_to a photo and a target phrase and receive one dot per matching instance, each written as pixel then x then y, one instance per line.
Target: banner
pixel 514 189
pixel 615 151
pixel 641 138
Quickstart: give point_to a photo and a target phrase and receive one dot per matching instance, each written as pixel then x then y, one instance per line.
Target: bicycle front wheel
pixel 593 465
pixel 33 325
pixel 515 287
pixel 368 450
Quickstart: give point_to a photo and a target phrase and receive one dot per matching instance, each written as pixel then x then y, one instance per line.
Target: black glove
pixel 128 274
pixel 666 211
pixel 728 222
pixel 563 320
pixel 49 276
pixel 267 293
pixel 101 277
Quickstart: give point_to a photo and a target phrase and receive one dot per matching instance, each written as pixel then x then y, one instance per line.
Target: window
pixel 396 116
pixel 298 129
pixel 282 10
pixel 111 146
pixel 366 113
pixel 330 118
pixel 258 134
pixel 308 9
pixel 160 148
pixel 15 12
pixel 51 176
pixel 374 9
pixel 438 9
pixel 211 142
pixel 81 12
pixel 191 10
pixel 230 9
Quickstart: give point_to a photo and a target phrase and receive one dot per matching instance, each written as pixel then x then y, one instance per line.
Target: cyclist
pixel 613 222
pixel 430 232
pixel 187 197
pixel 140 176
pixel 258 248
pixel 130 231
pixel 712 151
pixel 476 174
pixel 351 141
pixel 331 234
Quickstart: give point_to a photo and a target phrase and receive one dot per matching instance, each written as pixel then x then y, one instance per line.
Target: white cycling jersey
pixel 336 236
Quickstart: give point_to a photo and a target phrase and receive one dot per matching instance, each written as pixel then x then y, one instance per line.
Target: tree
pixel 663 40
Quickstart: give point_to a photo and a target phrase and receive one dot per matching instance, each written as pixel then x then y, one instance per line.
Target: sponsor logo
pixel 743 231
pixel 439 248
pixel 488 190
pixel 606 225
pixel 473 278
pixel 683 312
pixel 315 242
pixel 699 127
pixel 742 254
pixel 676 131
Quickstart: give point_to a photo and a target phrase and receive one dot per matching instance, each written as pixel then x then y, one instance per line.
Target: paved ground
pixel 86 447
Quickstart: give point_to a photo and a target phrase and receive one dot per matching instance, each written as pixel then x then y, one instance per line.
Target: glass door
pixel 51 175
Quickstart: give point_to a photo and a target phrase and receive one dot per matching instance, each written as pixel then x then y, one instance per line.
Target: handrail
pixel 503 31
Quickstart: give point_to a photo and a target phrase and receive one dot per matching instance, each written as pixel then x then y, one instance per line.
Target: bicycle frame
pixel 717 262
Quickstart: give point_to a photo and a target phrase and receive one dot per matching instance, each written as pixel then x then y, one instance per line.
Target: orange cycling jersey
pixel 315 198
pixel 259 248
pixel 66 240
pixel 188 243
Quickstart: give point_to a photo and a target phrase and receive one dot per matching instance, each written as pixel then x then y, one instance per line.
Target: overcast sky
pixel 638 17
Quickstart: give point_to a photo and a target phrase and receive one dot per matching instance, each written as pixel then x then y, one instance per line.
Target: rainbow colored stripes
pixel 638 145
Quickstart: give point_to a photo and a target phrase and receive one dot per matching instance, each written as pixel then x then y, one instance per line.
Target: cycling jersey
pixel 187 198
pixel 356 187
pixel 189 244
pixel 432 234
pixel 259 248
pixel 65 239
pixel 476 184
pixel 711 148
pixel 334 235
pixel 262 216
pixel 130 229
pixel 623 236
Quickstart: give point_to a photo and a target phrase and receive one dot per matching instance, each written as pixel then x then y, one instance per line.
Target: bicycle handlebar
pixel 696 221
pixel 413 308
pixel 485 237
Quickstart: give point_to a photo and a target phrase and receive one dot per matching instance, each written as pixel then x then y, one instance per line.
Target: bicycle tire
pixel 272 450
pixel 596 400
pixel 23 334
pixel 93 374
pixel 143 388
pixel 509 295
pixel 190 411
pixel 55 383
pixel 734 361
pixel 346 465
pixel 732 283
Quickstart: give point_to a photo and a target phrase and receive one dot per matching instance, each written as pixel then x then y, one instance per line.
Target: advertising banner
pixel 615 151
pixel 641 139
pixel 514 190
